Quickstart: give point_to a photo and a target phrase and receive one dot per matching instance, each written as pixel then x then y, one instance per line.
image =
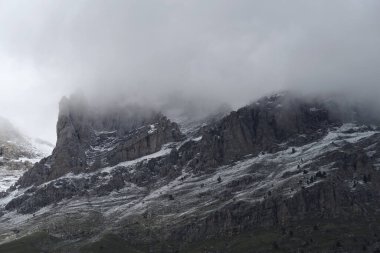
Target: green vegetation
pixel 109 243
pixel 314 236
pixel 34 243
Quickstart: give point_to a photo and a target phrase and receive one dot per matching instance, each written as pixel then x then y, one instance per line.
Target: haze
pixel 204 52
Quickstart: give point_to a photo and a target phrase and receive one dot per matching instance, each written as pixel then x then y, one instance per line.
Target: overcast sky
pixel 204 50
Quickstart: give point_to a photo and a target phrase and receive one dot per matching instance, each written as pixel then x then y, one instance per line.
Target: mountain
pixel 17 153
pixel 287 173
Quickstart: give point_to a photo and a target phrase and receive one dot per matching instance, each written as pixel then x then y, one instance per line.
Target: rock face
pixel 88 138
pixel 267 176
pixel 263 127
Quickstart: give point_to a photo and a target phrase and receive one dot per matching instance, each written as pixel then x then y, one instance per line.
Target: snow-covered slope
pixel 18 153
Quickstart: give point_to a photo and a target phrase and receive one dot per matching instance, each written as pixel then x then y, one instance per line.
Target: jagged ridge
pixel 277 162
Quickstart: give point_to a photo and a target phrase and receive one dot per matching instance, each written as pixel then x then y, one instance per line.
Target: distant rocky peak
pixel 8 132
pixel 18 153
pixel 15 145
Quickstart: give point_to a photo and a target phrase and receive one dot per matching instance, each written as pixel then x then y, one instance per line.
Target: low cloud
pixel 201 52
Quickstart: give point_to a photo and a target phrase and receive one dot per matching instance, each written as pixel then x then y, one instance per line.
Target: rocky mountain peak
pixel 89 137
pixel 264 126
pixel 8 132
pixel 279 162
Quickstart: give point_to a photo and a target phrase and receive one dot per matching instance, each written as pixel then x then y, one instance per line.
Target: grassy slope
pixel 34 243
pixel 332 236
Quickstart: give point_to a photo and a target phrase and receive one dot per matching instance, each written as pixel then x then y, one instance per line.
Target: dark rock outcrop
pixel 263 127
pixel 89 138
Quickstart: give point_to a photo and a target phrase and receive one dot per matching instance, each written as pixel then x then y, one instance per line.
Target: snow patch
pixel 313 109
pixel 197 139
pixel 26 159
pixel 152 129
pixel 163 152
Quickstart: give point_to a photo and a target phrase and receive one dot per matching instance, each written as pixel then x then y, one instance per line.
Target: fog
pixel 199 52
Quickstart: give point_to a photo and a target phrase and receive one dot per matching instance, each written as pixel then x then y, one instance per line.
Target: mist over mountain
pixel 8 132
pixel 208 53
pixel 189 126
